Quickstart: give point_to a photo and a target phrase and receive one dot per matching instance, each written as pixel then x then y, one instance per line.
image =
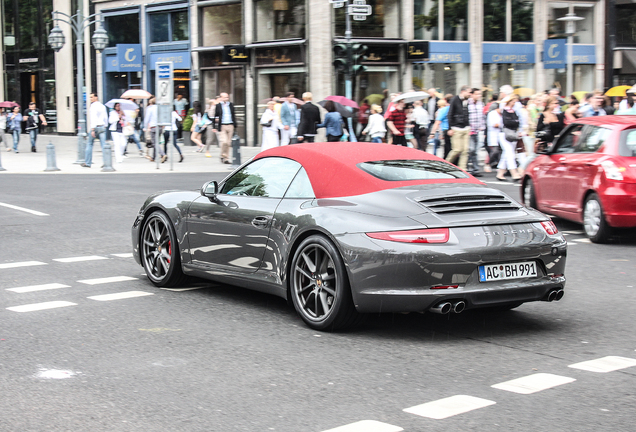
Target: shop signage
pixel 129 58
pixel 279 56
pixel 584 54
pixel 554 53
pixel 28 60
pixel 235 54
pixel 508 53
pixel 382 54
pixel 359 10
pixel 449 52
pixel 180 59
pixel 417 51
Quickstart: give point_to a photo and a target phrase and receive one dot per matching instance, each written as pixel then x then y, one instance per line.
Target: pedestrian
pixel 166 134
pixel 269 122
pixel 572 113
pixel 3 127
pixel 376 127
pixel 477 121
pixel 607 105
pixel 493 124
pixel 594 106
pixel 131 132
pixel 150 128
pixel 364 112
pixel 409 127
pixel 440 128
pixel 15 124
pixel 421 124
pixel 289 132
pixel 33 116
pixel 309 118
pixel 432 106
pixel 508 138
pixel 211 134
pixel 98 117
pixel 396 123
pixel 225 125
pixel 332 123
pixel 629 109
pixel 180 103
pixel 459 128
pixel 117 122
pixel 198 125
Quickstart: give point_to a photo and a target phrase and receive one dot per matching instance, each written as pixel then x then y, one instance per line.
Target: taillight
pixel 435 235
pixel 549 227
pixel 613 172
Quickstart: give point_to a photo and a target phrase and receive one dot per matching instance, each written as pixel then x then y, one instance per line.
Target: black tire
pixel 528 195
pixel 594 223
pixel 319 286
pixel 160 251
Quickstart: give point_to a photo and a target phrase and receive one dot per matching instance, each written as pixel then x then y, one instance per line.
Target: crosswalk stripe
pixel 41 306
pixel 106 280
pixel 367 426
pixel 26 289
pixel 21 264
pixel 80 258
pixel 119 296
pixel 123 255
pixel 533 383
pixel 448 407
pixel 605 364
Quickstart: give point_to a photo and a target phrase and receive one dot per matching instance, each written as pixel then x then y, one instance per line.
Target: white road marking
pixel 80 258
pixel 450 406
pixel 124 255
pixel 582 240
pixel 121 295
pixel 605 364
pixel 106 280
pixel 41 306
pixel 502 183
pixel 21 264
pixel 533 383
pixel 26 289
pixel 367 426
pixel 54 374
pixel 574 232
pixel 35 212
pixel 186 289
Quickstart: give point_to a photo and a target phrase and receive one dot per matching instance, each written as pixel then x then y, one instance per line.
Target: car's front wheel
pixel 319 286
pixel 596 228
pixel 160 251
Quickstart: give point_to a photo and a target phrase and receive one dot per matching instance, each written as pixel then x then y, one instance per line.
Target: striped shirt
pixel 398 118
pixel 476 117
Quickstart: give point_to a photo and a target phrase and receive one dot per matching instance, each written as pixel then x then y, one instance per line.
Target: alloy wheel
pixel 315 282
pixel 156 248
pixel 592 217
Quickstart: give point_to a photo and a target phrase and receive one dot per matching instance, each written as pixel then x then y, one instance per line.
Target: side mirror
pixel 209 190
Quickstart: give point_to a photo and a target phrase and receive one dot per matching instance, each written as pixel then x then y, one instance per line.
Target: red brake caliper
pixel 169 250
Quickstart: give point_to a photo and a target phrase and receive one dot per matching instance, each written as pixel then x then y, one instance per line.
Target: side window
pixel 267 177
pixel 593 139
pixel 569 140
pixel 628 144
pixel 300 187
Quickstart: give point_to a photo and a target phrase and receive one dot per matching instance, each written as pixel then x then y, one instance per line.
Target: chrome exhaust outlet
pixel 458 307
pixel 551 295
pixel 559 295
pixel 442 308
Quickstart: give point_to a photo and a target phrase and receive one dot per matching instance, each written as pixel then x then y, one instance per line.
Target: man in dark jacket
pixel 224 124
pixel 309 118
pixel 459 128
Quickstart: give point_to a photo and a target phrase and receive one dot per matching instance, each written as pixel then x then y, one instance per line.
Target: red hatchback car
pixel 588 175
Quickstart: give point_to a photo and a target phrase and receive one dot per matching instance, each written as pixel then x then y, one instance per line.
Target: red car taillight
pixel 612 171
pixel 435 235
pixel 549 227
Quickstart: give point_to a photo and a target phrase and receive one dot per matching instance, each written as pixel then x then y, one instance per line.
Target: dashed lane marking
pixel 106 280
pixel 605 364
pixel 450 406
pixel 80 258
pixel 120 296
pixel 123 255
pixel 26 289
pixel 34 212
pixel 21 264
pixel 41 306
pixel 533 383
pixel 583 240
pixel 367 426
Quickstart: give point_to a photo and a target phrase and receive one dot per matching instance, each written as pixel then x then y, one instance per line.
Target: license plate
pixel 495 272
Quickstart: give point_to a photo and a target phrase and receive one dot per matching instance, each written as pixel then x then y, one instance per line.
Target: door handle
pixel 261 221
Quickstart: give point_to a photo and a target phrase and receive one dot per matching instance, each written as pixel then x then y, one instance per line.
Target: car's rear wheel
pixel 160 251
pixel 529 198
pixel 596 228
pixel 320 288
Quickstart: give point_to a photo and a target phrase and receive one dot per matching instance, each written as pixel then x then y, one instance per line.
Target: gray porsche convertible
pixel 344 229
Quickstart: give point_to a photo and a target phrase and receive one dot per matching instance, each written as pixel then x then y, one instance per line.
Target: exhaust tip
pixel 442 308
pixel 459 307
pixel 552 295
pixel 559 295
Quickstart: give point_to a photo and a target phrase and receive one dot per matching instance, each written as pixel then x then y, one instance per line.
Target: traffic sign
pixel 359 17
pixel 338 4
pixel 165 89
pixel 359 2
pixel 359 10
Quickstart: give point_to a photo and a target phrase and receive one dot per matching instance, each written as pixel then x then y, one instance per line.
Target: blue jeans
pixel 33 133
pixel 135 137
pixel 100 132
pixel 16 139
pixel 376 140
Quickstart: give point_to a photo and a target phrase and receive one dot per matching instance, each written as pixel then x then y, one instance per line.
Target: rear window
pixel 628 144
pixel 401 170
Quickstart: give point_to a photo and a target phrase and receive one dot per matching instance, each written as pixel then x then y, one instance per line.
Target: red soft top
pixel 332 169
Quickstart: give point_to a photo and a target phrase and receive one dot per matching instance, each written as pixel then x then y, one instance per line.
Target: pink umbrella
pixel 136 94
pixel 343 101
pixel 8 104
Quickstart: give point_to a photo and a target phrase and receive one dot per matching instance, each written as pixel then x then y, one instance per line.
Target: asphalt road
pixel 222 358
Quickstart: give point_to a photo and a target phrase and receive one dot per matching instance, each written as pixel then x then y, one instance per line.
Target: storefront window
pixel 222 25
pixel 626 25
pixel 383 22
pixel 446 78
pixel 29 26
pixel 519 76
pixel 522 20
pixel 426 20
pixel 496 21
pixel 456 20
pixel 168 26
pixel 280 19
pixel 583 78
pixel 115 23
pixel 230 81
pixel 584 28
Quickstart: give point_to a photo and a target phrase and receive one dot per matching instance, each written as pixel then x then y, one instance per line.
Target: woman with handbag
pixel 117 122
pixel 198 124
pixel 508 138
pixel 271 125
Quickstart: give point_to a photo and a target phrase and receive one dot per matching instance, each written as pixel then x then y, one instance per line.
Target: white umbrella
pixel 632 90
pixel 411 97
pixel 136 94
pixel 124 104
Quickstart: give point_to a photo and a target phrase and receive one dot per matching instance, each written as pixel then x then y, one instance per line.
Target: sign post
pixel 165 93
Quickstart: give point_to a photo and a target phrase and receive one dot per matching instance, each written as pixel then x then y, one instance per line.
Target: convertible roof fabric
pixel 332 169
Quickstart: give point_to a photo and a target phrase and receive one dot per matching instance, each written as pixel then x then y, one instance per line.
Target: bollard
pixel 107 155
pixel 236 150
pixel 51 165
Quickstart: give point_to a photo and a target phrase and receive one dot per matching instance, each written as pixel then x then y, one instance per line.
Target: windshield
pixel 401 170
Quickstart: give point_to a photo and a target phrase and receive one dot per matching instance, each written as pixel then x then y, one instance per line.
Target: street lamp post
pixel 78 24
pixel 570 20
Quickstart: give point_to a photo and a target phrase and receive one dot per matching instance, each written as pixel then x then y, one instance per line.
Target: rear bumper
pixel 619 204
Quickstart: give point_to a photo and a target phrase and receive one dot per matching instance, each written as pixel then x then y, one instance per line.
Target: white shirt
pixel 175 117
pixel 98 115
pixel 150 118
pixel 493 118
pixel 421 117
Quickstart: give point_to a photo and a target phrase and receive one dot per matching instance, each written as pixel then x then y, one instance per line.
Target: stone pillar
pixel 319 49
pixel 408 33
pixel 195 73
pixel 64 75
pixel 475 36
pixel 250 105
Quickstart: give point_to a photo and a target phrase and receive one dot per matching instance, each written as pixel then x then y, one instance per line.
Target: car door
pixel 230 232
pixel 550 173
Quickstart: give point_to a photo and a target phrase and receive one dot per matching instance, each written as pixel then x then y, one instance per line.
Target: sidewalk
pixel 26 162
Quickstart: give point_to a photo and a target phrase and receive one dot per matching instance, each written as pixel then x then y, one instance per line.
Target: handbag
pixel 510 135
pixel 128 130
